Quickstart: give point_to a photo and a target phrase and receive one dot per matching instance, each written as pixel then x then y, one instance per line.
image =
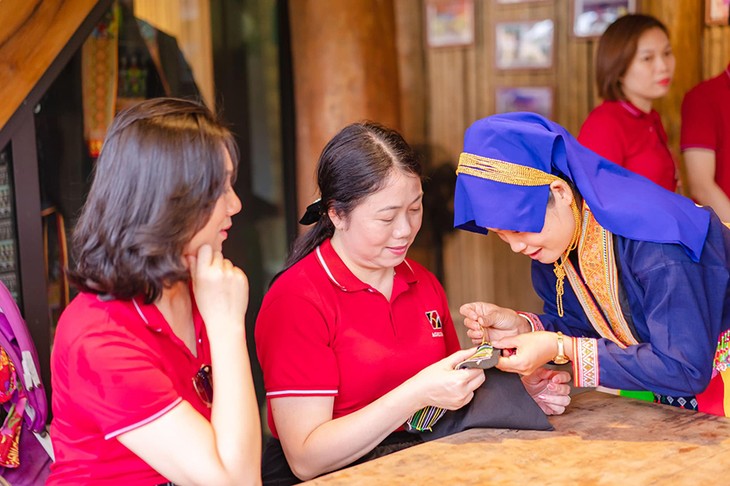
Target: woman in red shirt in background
pixel 634 66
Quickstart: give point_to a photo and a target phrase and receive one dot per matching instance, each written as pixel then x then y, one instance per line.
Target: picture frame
pixel 524 44
pixel 592 17
pixel 509 2
pixel 716 12
pixel 449 23
pixel 537 99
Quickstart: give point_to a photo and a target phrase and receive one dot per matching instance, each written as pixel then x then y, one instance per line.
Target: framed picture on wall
pixel 716 12
pixel 449 22
pixel 591 17
pixel 537 99
pixel 524 45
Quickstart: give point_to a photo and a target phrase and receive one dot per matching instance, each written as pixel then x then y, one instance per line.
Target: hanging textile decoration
pixel 99 67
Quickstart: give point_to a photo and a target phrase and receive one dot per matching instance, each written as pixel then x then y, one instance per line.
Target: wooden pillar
pixel 685 21
pixel 345 70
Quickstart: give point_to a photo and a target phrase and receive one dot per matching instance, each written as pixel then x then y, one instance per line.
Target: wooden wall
pixel 715 49
pixel 443 90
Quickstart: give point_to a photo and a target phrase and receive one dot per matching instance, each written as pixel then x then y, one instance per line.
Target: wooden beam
pixel 34 33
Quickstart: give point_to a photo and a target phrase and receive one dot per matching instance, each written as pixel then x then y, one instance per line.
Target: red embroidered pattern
pixel 535 321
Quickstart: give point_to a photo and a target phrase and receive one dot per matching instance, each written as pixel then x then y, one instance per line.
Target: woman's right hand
pixel 443 386
pixel 220 288
pixel 498 322
pixel 307 429
pixel 226 447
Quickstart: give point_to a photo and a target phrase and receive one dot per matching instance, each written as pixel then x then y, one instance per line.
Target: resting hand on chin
pixel 220 288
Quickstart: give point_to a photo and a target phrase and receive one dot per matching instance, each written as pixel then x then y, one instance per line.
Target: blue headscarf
pixel 622 202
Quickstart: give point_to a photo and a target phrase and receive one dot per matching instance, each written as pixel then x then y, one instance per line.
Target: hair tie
pixel 313 213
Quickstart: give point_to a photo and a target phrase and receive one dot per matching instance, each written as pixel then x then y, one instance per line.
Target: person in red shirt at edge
pixel 353 337
pixel 634 66
pixel 160 311
pixel 705 142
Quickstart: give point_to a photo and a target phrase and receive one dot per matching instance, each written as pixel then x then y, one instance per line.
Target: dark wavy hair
pixel 617 48
pixel 352 166
pixel 160 172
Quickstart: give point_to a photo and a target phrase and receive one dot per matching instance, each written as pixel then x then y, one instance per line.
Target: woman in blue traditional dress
pixel 647 303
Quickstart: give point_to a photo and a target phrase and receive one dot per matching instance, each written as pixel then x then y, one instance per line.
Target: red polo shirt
pixel 114 367
pixel 622 133
pixel 706 123
pixel 323 332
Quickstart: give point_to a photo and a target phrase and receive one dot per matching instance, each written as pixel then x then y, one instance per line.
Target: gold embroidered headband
pixel 501 171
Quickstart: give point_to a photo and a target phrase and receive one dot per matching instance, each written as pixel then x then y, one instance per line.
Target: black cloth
pixel 500 403
pixel 275 470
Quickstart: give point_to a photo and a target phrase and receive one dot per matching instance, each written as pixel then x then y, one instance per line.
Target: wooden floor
pixel 603 439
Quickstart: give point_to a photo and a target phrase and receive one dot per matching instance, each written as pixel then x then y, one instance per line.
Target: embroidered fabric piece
pixel 10 434
pixel 502 171
pixel 8 384
pixel 533 319
pixel 688 403
pixel 722 354
pixel 598 267
pixel 485 357
pixel 100 66
pixel 585 362
pixel 424 419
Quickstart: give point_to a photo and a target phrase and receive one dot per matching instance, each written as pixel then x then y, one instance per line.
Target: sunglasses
pixel 203 384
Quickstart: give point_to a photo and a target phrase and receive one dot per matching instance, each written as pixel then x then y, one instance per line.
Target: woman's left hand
pixel 550 389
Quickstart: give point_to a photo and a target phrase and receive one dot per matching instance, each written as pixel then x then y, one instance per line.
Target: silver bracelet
pixel 532 326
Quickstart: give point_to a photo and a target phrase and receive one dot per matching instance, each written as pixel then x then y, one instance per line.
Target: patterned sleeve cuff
pixel 535 324
pixel 585 362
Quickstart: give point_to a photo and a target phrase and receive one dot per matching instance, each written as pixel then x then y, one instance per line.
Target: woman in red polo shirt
pixel 353 337
pixel 634 66
pixel 160 313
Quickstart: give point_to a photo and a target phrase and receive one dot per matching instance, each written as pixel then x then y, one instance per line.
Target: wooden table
pixel 601 439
